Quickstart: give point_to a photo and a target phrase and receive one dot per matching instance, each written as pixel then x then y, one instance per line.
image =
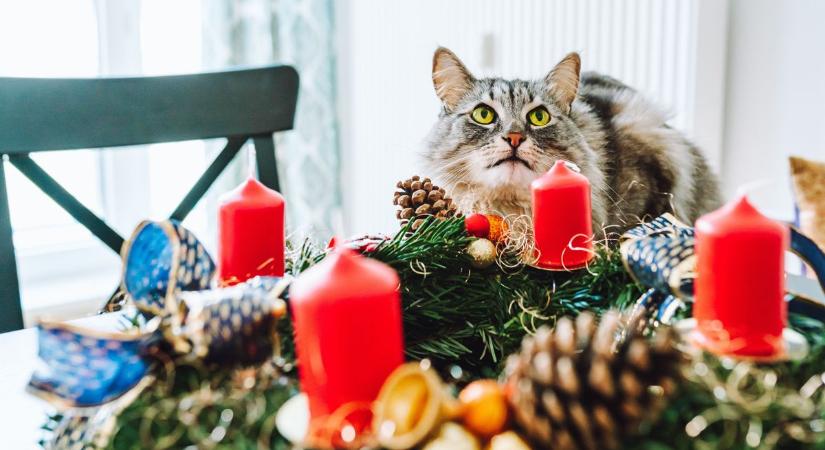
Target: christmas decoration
pixel 482 252
pixel 487 226
pixel 735 404
pixel 345 362
pixel 162 259
pixel 739 312
pixel 366 243
pixel 452 436
pixel 411 404
pixel 499 229
pixel 227 326
pixel 455 315
pixel 418 198
pixel 477 225
pixel 509 440
pixel 183 405
pixel 562 227
pixel 669 277
pixel 252 233
pixel 575 386
pixel 484 408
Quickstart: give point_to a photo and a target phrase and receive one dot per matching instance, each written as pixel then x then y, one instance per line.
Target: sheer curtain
pixel 298 33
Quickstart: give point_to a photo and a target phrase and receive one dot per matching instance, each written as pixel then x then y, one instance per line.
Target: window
pixel 64 270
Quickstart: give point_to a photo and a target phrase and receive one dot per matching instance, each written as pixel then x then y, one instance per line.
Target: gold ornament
pixel 411 404
pixel 452 436
pixel 499 228
pixel 484 408
pixel 482 252
pixel 509 440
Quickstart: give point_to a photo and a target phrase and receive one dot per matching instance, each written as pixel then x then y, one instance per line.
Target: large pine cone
pixel 578 387
pixel 418 199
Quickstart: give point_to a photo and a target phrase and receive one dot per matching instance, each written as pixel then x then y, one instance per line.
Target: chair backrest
pixel 68 114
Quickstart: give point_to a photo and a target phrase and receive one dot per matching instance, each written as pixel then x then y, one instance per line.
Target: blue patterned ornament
pixel 234 324
pixel 160 259
pixel 165 272
pixel 86 367
pixel 659 255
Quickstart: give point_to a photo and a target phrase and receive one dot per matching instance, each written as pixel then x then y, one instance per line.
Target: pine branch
pixel 455 314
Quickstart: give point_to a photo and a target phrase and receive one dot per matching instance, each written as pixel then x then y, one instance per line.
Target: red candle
pixel 346 311
pixel 740 283
pixel 251 229
pixel 562 226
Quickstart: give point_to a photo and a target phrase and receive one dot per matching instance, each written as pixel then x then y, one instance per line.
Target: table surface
pixel 22 414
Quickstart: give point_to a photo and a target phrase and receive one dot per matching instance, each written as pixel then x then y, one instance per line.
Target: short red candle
pixel 562 225
pixel 251 229
pixel 740 283
pixel 346 311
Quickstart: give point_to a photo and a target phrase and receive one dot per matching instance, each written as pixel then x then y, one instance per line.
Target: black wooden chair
pixel 69 114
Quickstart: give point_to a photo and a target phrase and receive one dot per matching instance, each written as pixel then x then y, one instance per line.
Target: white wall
pixel 775 96
pixel 671 49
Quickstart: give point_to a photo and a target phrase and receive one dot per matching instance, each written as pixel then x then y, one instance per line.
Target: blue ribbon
pixel 161 259
pixel 165 271
pixel 659 256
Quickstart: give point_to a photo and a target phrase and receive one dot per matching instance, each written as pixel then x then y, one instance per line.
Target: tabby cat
pixel 494 136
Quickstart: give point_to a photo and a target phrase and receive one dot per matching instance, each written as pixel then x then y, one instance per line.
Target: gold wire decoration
pixel 753 400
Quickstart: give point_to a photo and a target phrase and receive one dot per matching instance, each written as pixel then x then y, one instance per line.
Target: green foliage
pixel 453 315
pixel 482 315
pixel 766 410
pixel 457 315
pixel 206 407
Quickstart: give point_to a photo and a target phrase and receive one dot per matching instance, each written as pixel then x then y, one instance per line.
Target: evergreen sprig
pixel 787 422
pixel 453 314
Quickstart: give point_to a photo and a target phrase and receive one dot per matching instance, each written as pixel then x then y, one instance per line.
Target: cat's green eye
pixel 539 117
pixel 483 114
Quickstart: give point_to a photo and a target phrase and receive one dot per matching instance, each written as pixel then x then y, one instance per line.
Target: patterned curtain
pixel 299 33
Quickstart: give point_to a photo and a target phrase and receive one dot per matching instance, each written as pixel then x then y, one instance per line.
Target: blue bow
pixel 165 270
pixel 659 256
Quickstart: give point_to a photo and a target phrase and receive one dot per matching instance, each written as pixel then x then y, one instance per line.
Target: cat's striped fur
pixel 638 166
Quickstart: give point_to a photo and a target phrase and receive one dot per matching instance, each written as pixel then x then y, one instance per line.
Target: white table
pixel 22 414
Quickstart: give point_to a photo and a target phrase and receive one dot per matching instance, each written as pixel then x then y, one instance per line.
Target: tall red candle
pixel 740 284
pixel 562 226
pixel 251 229
pixel 346 311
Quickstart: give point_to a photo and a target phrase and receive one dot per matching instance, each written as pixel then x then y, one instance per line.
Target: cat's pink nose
pixel 515 139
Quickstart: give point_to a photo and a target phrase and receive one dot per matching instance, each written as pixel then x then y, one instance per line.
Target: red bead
pixel 477 225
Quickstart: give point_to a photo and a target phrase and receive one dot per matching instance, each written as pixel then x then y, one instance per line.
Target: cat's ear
pixel 451 79
pixel 563 80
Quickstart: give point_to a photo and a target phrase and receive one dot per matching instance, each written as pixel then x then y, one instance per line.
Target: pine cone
pixel 576 387
pixel 418 198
